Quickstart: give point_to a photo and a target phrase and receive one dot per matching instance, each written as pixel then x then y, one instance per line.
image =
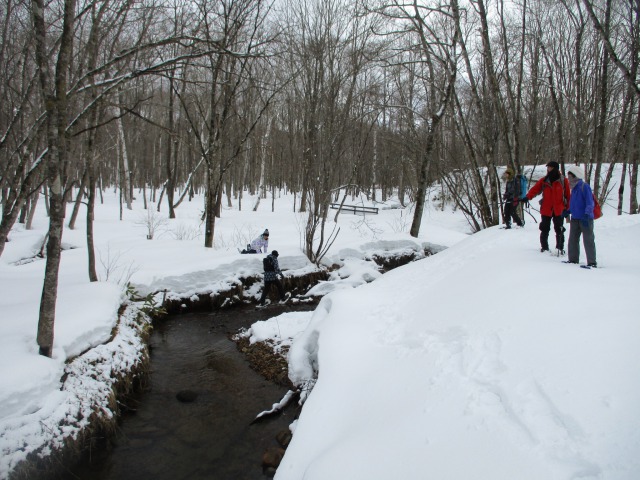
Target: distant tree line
pixel 173 98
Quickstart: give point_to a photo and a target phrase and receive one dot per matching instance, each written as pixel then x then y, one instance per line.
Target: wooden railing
pixel 355 209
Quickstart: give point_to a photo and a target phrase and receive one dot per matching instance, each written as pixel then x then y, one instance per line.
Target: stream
pixel 210 437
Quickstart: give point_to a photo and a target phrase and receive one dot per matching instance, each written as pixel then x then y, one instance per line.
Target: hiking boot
pixel 542 249
pixel 560 252
pixel 507 227
pixel 592 265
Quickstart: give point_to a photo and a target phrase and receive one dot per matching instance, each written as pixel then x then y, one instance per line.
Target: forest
pixel 166 99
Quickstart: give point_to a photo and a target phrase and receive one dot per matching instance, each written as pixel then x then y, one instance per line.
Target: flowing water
pixel 210 438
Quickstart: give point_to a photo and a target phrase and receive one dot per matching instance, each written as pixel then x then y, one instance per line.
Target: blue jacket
pixel 581 204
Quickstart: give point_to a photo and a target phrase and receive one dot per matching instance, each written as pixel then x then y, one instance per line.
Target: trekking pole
pixel 534 218
pixel 526 209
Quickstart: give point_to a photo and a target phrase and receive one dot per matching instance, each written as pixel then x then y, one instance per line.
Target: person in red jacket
pixel 556 194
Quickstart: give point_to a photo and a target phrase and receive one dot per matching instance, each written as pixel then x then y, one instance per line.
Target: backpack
pixel 597 210
pixel 521 185
pixel 267 264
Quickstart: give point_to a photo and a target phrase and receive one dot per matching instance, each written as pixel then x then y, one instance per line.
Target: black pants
pixel 511 211
pixel 248 251
pixel 545 228
pixel 267 287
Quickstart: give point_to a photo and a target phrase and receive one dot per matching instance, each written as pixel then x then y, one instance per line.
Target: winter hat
pixel 554 165
pixel 576 171
pixel 275 253
pixel 509 171
pixel 266 232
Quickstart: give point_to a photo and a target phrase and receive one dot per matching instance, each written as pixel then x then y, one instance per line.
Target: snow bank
pixel 489 360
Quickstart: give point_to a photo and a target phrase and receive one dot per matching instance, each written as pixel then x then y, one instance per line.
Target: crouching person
pixel 258 245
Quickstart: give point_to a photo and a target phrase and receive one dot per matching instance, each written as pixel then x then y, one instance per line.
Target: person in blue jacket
pixel 581 209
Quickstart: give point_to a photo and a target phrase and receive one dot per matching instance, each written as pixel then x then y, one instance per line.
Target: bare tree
pixel 53 86
pixel 332 53
pixel 603 31
pixel 430 37
pixel 234 33
pixel 21 123
pixel 64 112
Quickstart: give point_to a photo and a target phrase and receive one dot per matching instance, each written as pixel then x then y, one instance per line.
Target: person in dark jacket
pixel 581 209
pixel 271 278
pixel 510 198
pixel 556 195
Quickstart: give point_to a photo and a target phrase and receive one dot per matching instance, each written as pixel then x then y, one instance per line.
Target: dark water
pixel 210 438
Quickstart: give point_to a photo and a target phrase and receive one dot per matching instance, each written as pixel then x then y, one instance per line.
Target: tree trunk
pixel 49 296
pixel 210 209
pixel 124 172
pixel 170 150
pixel 17 196
pixel 91 199
pixel 421 193
pixel 91 203
pixel 559 129
pixel 623 178
pixel 9 216
pixel 56 119
pixel 633 180
pixel 604 100
pixel 32 209
pixel 374 164
pixel 78 202
pixel 425 165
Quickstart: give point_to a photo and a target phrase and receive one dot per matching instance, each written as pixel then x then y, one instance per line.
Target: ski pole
pixel 526 209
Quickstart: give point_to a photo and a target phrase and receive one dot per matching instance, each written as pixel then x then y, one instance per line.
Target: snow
pixel 488 360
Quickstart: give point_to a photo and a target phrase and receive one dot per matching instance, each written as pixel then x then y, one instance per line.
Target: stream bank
pixel 52 460
pixel 195 418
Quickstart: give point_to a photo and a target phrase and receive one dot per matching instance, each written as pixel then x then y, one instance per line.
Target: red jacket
pixel 555 196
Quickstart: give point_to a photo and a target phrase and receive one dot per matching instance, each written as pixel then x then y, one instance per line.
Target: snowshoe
pixel 286 298
pixel 263 305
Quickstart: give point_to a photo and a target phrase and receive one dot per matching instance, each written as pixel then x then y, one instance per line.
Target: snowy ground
pixel 33 402
pixel 489 360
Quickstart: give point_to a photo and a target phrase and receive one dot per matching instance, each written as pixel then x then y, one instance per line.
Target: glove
pixel 585 221
pixel 566 214
pixel 524 201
